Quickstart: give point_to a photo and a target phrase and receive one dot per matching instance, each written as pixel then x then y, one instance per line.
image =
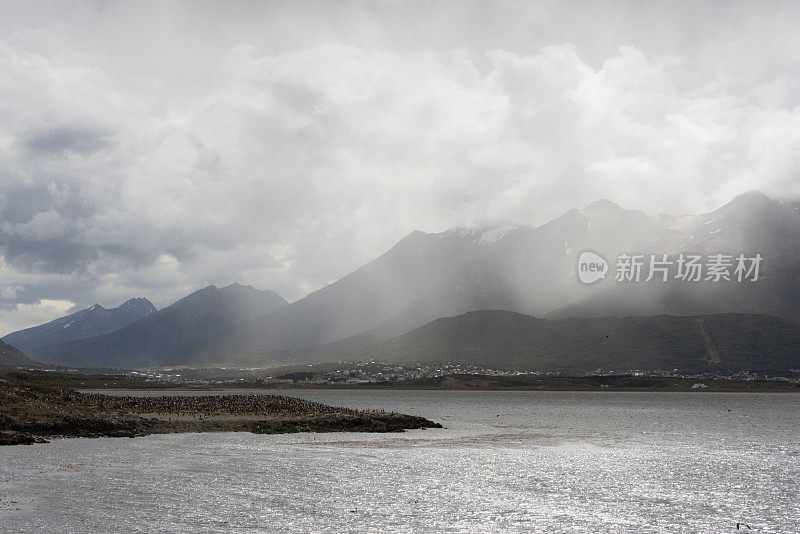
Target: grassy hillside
pixel 501 339
pixel 11 357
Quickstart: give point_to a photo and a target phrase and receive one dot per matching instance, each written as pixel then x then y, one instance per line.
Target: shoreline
pixel 469 382
pixel 498 383
pixel 588 383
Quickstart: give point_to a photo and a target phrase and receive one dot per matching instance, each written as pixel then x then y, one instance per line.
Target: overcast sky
pixel 153 149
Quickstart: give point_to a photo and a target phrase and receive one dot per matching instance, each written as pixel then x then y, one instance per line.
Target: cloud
pixel 60 139
pixel 275 150
pixel 27 315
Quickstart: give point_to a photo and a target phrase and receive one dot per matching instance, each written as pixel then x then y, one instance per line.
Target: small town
pixel 375 372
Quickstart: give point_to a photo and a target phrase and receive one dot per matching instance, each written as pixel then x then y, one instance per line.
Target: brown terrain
pixel 32 413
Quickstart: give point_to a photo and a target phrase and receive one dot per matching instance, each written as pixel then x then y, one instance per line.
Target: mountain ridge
pixel 157 336
pixel 533 271
pixel 92 321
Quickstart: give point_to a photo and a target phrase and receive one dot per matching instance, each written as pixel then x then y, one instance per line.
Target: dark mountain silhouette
pixel 92 321
pixel 155 338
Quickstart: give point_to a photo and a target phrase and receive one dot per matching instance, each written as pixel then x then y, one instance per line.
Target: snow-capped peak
pixel 495 233
pixel 483 236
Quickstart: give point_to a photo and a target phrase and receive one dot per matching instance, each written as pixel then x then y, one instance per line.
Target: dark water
pixel 506 461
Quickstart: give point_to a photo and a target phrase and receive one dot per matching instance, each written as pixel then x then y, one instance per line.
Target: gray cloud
pixel 20 202
pixel 59 139
pixel 151 149
pixel 56 256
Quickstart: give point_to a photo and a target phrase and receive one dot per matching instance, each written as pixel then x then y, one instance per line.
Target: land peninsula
pixel 31 412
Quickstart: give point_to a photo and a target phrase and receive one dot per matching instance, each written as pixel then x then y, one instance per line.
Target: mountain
pixel 534 271
pixel 153 339
pixel 414 268
pixel 750 224
pixel 12 357
pixel 727 344
pixel 528 270
pixel 92 321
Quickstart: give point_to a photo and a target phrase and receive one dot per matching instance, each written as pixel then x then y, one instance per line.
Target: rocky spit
pixel 33 413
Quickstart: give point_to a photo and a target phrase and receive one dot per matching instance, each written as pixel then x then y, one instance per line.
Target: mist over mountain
pixel 750 224
pixel 425 277
pixel 155 338
pixel 92 321
pixel 533 271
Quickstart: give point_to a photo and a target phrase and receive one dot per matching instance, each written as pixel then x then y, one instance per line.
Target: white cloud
pixel 26 315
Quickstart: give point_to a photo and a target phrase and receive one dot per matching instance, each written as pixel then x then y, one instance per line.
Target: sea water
pixel 505 462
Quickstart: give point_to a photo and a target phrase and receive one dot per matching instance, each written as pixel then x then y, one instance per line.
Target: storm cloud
pixel 149 149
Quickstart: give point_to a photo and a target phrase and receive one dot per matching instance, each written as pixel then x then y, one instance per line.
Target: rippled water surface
pixel 506 462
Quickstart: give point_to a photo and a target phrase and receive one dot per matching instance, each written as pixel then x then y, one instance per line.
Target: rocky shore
pixel 31 413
